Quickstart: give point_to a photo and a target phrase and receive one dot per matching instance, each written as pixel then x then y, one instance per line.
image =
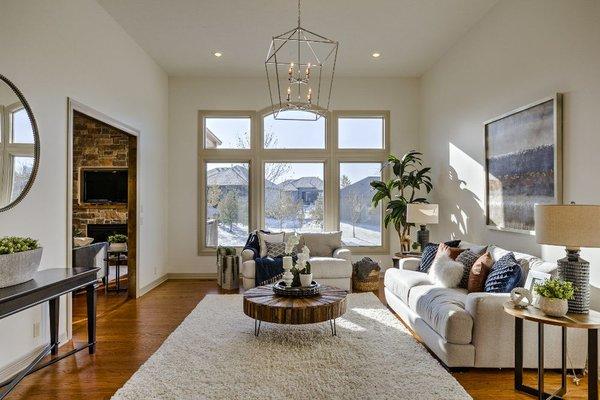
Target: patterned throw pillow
pixel 505 275
pixel 275 250
pixel 430 252
pixel 467 259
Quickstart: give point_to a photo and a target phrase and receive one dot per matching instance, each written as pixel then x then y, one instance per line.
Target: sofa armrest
pixel 410 263
pixel 248 254
pixel 482 303
pixel 342 253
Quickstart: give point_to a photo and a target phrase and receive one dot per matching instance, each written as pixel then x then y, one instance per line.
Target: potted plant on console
pixel 554 296
pixel 400 190
pixel 118 243
pixel 19 260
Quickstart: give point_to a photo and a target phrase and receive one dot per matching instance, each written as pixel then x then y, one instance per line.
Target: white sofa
pixel 335 270
pixel 471 329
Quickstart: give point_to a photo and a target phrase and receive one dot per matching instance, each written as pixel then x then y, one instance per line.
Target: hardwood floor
pixel 130 331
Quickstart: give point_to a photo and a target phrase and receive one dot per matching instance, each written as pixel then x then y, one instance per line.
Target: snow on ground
pixel 364 236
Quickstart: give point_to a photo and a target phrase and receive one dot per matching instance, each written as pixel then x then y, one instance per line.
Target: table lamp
pixel 422 214
pixel 573 226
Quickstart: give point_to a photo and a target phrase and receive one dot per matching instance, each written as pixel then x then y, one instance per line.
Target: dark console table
pixel 47 286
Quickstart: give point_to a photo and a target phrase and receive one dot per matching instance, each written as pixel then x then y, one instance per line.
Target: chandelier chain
pixel 298 13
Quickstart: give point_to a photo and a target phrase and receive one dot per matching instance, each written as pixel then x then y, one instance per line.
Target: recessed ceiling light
pixel 217 54
pixel 376 55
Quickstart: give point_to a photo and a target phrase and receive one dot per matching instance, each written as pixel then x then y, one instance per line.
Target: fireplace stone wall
pixel 96 145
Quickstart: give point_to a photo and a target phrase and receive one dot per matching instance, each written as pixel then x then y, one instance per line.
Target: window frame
pixel 257 157
pixel 10 150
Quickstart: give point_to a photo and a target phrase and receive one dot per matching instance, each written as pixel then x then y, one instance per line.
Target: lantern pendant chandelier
pixel 300 66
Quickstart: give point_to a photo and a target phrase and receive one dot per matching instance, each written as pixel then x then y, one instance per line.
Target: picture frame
pixel 534 277
pixel 523 164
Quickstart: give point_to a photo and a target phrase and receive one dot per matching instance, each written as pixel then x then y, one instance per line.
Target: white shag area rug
pixel 214 354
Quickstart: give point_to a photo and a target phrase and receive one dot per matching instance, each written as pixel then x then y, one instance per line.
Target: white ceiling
pixel 182 35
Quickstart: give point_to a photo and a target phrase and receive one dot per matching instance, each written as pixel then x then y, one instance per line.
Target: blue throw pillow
pixel 429 253
pixel 505 275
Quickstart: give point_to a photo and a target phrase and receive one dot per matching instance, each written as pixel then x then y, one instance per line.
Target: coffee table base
pixel 332 325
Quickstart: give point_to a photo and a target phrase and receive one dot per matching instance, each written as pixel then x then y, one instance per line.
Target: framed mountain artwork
pixel 523 164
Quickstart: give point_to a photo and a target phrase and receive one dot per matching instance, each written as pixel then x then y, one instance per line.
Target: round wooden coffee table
pixel 261 304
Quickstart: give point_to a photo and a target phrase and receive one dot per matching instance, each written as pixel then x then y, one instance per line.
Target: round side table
pixel 590 321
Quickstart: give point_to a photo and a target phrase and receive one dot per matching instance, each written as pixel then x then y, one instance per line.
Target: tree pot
pixel 306 279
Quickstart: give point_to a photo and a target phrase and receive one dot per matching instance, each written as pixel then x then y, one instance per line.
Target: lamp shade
pixel 570 225
pixel 422 214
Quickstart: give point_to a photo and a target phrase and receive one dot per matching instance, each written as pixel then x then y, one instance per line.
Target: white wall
pixel 188 95
pixel 72 48
pixel 521 51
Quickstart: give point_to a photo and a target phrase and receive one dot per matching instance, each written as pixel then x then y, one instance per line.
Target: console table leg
pixel 54 305
pixel 593 364
pixel 91 317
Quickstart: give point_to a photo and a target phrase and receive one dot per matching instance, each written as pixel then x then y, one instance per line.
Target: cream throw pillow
pixel 278 237
pixel 445 272
pixel 321 244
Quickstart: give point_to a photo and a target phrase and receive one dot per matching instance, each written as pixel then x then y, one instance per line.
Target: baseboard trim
pixel 192 275
pixel 19 364
pixel 153 285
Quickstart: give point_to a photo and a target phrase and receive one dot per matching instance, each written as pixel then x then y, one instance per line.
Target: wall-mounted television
pixel 104 185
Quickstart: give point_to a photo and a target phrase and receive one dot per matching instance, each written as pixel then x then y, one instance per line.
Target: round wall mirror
pixel 19 145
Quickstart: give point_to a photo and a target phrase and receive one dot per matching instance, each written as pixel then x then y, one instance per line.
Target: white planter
pixel 20 267
pixel 305 279
pixel 553 307
pixel 117 247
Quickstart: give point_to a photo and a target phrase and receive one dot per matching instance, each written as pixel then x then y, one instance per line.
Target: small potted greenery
pixel 554 296
pixel 19 260
pixel 306 275
pixel 118 242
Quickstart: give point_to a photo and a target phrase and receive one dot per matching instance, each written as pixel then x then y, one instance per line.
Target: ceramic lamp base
pixel 423 237
pixel 576 270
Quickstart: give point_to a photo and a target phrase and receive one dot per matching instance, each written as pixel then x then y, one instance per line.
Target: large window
pixel 360 223
pixel 291 175
pixel 227 195
pixel 294 196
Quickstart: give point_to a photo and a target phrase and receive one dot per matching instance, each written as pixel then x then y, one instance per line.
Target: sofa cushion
pixel 327 267
pixel 479 273
pixel 505 275
pixel 264 237
pixel 445 272
pixel 321 244
pixel 467 259
pixel 474 247
pixel 430 251
pixel 400 281
pixel 443 309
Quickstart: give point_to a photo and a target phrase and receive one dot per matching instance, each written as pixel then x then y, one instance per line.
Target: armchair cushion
pixel 321 244
pixel 328 267
pixel 342 253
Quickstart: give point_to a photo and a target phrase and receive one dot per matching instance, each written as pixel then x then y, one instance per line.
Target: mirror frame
pixel 36 139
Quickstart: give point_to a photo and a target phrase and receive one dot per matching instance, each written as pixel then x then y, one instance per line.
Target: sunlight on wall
pixel 467 178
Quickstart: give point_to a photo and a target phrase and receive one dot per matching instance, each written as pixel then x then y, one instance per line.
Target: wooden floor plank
pixel 130 331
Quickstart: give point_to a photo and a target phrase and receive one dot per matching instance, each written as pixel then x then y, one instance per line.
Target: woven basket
pixel 369 284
